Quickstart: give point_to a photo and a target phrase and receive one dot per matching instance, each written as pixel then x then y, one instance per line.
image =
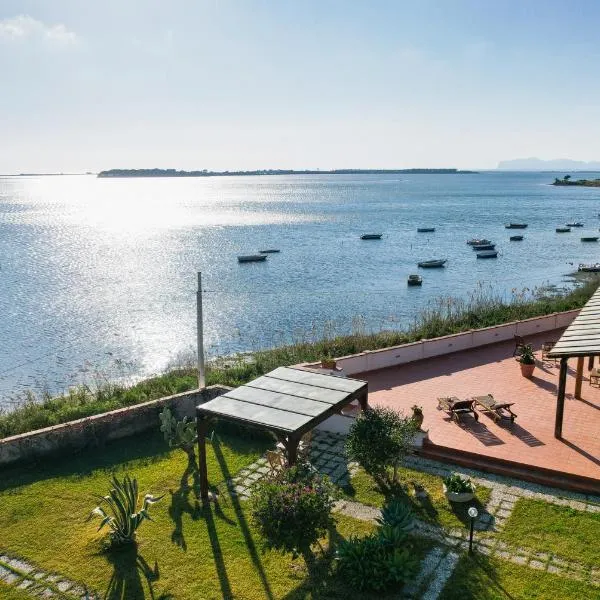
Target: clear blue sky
pixel 245 84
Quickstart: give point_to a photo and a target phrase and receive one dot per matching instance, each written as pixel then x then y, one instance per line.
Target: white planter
pixel 458 497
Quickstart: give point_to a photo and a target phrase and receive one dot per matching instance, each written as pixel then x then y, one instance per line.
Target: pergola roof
pixel 286 400
pixel 582 336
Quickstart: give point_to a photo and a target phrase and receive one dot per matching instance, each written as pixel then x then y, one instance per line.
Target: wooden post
pixel 201 429
pixel 591 362
pixel 292 449
pixel 579 378
pixel 560 400
pixel 364 400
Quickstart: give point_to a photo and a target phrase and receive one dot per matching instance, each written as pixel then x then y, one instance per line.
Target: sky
pixel 250 84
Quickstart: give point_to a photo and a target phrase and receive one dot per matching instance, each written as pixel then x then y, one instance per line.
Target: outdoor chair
pixel 276 461
pixel 519 343
pixel 457 408
pixel 546 348
pixel 496 410
pixel 595 377
pixel 303 446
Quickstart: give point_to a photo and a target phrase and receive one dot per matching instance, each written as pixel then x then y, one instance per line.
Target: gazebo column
pixel 560 400
pixel 201 429
pixel 579 377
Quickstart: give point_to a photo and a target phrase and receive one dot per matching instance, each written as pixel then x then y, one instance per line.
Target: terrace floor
pixel 492 370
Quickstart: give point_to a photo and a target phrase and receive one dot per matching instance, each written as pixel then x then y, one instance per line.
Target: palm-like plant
pixel 121 514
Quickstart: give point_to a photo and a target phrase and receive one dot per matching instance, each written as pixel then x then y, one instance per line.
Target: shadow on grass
pixel 132 576
pixel 241 519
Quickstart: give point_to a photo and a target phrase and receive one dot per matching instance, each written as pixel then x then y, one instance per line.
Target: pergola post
pixel 364 400
pixel 560 400
pixel 579 378
pixel 291 446
pixel 591 362
pixel 201 429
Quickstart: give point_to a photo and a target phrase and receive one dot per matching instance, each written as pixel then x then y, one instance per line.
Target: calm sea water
pixel 96 273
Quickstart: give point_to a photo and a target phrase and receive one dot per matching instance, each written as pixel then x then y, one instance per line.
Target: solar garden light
pixel 473 514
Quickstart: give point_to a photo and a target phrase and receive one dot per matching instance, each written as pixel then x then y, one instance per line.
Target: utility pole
pixel 200 334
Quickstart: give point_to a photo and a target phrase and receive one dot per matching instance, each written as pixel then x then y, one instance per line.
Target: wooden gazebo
pixel 580 339
pixel 287 401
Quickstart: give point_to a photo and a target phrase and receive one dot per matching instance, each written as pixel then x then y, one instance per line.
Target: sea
pixel 98 277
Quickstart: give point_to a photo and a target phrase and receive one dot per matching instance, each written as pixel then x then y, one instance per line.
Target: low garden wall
pixel 372 360
pixel 99 429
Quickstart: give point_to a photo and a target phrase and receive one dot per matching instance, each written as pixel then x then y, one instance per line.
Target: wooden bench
pixel 496 410
pixel 457 408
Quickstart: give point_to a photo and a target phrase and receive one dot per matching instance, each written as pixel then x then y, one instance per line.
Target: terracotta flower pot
pixel 527 370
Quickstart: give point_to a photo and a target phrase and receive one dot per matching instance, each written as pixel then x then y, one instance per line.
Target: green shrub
pixel 293 510
pixel 526 355
pixel 383 559
pixel 459 485
pixel 380 438
pixel 122 501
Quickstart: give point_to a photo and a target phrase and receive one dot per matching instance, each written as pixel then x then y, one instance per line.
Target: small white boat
pixel 595 268
pixel 478 247
pixel 252 258
pixel 432 264
pixel 477 241
pixel 487 254
pixel 574 224
pixel 516 225
pixel 269 251
pixel 371 236
pixel 414 280
pixel 563 230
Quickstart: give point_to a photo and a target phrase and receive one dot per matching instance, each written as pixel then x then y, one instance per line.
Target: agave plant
pixel 397 515
pixel 121 514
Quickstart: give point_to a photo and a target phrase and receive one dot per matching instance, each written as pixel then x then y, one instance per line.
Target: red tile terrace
pixel 526 448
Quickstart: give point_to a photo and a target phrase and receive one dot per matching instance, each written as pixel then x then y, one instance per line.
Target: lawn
pixel 433 508
pixel 9 593
pixel 484 578
pixel 560 530
pixel 187 552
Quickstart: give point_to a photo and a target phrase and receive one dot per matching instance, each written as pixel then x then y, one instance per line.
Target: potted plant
pixel 417 415
pixel 527 360
pixel 458 489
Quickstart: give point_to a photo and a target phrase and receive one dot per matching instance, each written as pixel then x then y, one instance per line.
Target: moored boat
pixel 487 254
pixel 432 264
pixel 563 230
pixel 483 247
pixel 269 251
pixel 516 225
pixel 414 280
pixel 477 241
pixel 516 238
pixel 589 239
pixel 595 268
pixel 425 229
pixel 371 236
pixel 574 224
pixel 252 258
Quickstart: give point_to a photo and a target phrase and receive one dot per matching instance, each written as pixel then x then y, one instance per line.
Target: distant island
pixel 536 164
pixel 206 173
pixel 566 180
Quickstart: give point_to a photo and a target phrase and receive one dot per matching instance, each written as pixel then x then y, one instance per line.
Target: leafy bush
pixel 526 355
pixel 293 509
pixel 122 501
pixel 380 438
pixel 383 559
pixel 459 485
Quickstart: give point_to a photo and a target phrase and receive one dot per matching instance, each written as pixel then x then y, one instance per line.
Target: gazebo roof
pixel 582 336
pixel 286 400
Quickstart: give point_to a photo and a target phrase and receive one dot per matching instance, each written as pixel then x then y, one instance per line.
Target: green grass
pixel 188 551
pixel 435 508
pixel 8 592
pixel 485 578
pixel 560 530
pixel 445 316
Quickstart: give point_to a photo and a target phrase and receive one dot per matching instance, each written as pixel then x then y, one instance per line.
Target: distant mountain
pixel 537 164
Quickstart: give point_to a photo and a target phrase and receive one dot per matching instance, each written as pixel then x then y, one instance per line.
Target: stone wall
pixel 99 429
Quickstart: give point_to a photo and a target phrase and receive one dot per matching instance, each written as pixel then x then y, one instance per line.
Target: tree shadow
pixel 132 577
pixel 479 580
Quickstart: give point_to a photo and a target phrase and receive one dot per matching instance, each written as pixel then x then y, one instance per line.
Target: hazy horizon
pixel 251 85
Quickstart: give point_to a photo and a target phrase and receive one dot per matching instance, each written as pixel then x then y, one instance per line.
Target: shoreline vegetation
pixel 566 181
pixel 445 316
pixel 206 173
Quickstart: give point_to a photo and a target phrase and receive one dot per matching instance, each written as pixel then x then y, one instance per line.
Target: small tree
pixel 567 177
pixel 183 435
pixel 381 438
pixel 293 510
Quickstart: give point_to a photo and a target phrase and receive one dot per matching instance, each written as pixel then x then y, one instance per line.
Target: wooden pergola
pixel 287 401
pixel 580 339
